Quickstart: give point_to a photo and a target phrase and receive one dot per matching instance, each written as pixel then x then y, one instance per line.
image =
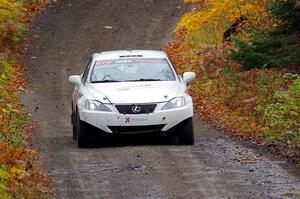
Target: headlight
pixel 175 103
pixel 96 106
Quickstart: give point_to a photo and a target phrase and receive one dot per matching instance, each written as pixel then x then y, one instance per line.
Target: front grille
pixel 136 129
pixel 136 108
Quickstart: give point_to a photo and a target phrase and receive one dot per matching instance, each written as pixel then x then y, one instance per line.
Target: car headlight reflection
pixel 96 106
pixel 175 103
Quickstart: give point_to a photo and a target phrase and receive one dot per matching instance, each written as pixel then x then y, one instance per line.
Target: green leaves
pixel 3 178
pixel 261 100
pixel 19 178
pixel 279 46
pixel 283 116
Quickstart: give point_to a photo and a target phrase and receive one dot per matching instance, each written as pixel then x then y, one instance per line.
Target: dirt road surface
pixel 60 44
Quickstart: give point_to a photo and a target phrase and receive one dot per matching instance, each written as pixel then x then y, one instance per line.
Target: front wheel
pixel 73 122
pixel 185 132
pixel 74 132
pixel 74 127
pixel 83 133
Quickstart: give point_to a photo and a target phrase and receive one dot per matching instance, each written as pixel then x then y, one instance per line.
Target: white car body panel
pixel 136 92
pixel 168 118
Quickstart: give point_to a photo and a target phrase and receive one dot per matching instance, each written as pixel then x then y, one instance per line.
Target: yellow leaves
pixel 19 177
pixel 194 1
pixel 11 119
pixel 17 172
pixel 5 4
pixel 6 8
pixel 15 110
pixel 3 76
pixel 9 106
pixel 219 15
pixel 215 16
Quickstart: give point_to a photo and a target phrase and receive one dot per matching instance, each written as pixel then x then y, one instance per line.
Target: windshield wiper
pixel 136 80
pixel 105 81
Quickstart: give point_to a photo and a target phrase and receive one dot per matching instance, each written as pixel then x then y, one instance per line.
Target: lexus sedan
pixel 131 92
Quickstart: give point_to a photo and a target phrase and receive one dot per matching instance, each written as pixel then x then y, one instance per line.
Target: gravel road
pixel 60 43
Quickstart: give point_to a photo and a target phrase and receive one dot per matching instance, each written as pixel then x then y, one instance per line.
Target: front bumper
pixel 162 119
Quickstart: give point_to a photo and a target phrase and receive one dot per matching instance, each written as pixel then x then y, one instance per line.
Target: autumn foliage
pixel 210 19
pixel 261 104
pixel 13 18
pixel 20 177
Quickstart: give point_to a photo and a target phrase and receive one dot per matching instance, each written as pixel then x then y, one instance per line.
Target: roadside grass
pixel 20 176
pixel 260 104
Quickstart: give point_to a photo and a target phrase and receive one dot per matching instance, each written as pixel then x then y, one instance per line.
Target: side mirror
pixel 188 76
pixel 75 79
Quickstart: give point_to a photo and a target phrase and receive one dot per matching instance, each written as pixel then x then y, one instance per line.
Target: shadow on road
pixel 131 140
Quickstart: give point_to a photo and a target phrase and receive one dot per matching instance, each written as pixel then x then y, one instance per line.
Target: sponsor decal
pixel 124 61
pixel 127 120
pixel 103 62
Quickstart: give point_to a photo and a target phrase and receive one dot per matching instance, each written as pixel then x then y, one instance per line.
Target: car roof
pixel 122 54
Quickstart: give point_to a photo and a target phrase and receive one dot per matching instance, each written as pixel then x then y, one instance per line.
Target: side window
pixel 86 71
pixel 174 67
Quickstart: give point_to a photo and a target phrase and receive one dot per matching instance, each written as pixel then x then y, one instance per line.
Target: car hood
pixel 135 92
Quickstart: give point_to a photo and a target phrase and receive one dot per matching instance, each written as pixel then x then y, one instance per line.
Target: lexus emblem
pixel 136 109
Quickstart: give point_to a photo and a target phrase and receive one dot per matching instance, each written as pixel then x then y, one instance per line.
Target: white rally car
pixel 132 92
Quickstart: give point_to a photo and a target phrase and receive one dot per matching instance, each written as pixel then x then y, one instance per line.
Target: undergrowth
pixel 20 176
pixel 239 86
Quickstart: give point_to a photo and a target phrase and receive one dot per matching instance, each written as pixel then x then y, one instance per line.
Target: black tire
pixel 185 132
pixel 73 122
pixel 74 132
pixel 83 133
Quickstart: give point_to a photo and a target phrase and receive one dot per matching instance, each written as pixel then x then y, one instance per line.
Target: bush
pixel 19 176
pixel 280 47
pixel 283 116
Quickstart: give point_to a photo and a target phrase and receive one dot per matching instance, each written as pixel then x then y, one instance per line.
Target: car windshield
pixel 123 70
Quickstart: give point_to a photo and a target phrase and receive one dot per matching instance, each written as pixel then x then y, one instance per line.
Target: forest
pixel 247 56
